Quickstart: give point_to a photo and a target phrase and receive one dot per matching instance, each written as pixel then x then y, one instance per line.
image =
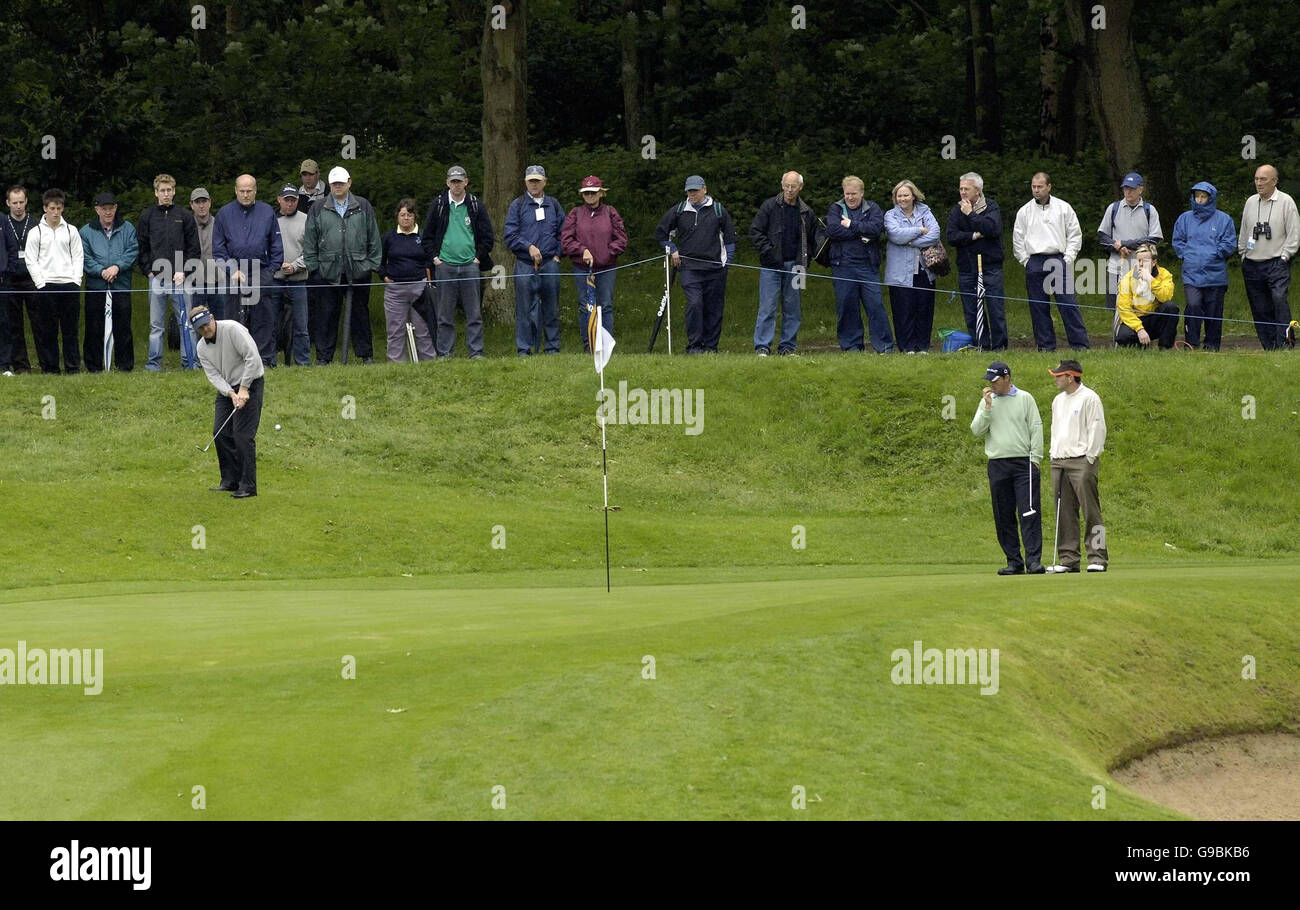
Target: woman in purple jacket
pixel 593 237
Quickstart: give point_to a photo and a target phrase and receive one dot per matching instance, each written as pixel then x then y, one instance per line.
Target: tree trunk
pixel 982 61
pixel 629 75
pixel 671 60
pixel 1130 128
pixel 505 129
pixel 1049 86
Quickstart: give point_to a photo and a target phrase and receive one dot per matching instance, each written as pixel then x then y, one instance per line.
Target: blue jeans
pixel 604 300
pixel 994 336
pixel 537 306
pixel 771 285
pixel 857 287
pixel 160 291
pixel 266 322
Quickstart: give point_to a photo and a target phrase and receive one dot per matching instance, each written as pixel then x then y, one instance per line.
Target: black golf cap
pixel 199 317
pixel 1068 366
pixel 105 199
pixel 997 368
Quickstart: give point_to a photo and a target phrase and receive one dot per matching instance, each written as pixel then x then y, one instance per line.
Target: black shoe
pixel 223 488
pixel 242 494
pixel 1011 570
pixel 1036 568
pixel 367 360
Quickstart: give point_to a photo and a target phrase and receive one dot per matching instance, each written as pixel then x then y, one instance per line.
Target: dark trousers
pixel 237 443
pixel 706 292
pixel 1009 483
pixel 54 312
pixel 1161 325
pixel 123 342
pixel 994 336
pixel 913 310
pixel 6 344
pixel 21 291
pixel 857 287
pixel 1204 305
pixel 1267 281
pixel 1049 270
pixel 323 322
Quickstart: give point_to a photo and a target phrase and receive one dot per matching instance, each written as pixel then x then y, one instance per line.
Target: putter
pixel 218 433
pixel 1032 510
pixel 1056 539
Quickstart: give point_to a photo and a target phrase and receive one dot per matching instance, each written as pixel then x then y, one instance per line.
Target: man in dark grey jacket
pixel 234 367
pixel 786 236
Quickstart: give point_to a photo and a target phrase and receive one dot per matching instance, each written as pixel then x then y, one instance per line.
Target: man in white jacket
pixel 55 262
pixel 1078 438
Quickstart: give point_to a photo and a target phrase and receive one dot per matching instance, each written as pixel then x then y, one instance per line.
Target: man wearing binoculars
pixel 1269 237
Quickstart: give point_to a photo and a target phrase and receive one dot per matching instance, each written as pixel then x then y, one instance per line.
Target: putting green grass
pixel 758 687
pixel 441 524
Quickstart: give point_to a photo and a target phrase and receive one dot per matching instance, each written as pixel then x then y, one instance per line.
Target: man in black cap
pixel 1078 438
pixel 110 249
pixel 1008 420
pixel 234 367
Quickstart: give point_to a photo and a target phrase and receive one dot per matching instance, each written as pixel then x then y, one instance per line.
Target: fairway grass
pixel 758 687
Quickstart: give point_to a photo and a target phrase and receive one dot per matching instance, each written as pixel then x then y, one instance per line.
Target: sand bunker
pixel 1244 777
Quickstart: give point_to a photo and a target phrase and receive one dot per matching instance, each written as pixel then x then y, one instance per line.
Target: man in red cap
pixel 1078 438
pixel 593 237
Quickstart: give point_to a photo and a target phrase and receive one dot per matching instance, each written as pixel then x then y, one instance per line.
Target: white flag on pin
pixel 599 340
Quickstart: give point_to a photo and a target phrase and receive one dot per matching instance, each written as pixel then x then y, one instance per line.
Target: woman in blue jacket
pixel 1204 238
pixel 910 227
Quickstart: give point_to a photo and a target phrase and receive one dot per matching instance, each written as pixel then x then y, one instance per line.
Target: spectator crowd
pixel 288 273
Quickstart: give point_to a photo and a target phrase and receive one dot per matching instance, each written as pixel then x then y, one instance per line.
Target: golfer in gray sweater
pixel 230 358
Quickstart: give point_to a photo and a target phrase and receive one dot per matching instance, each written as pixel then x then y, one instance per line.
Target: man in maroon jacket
pixel 593 237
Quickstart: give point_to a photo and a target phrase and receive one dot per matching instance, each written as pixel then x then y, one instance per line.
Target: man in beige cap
pixel 312 190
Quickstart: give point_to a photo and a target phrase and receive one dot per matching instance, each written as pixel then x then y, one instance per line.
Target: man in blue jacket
pixel 246 247
pixel 854 226
pixel 975 229
pixel 532 233
pixel 110 248
pixel 1204 238
pixel 701 238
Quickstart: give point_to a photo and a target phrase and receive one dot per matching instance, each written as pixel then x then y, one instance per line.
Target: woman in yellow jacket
pixel 1144 307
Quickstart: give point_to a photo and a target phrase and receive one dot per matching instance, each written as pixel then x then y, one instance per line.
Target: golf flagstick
pixel 668 300
pixel 602 346
pixel 1032 510
pixel 108 330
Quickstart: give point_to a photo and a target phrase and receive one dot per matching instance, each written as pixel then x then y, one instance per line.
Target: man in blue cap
pixel 701 238
pixel 1007 418
pixel 1126 224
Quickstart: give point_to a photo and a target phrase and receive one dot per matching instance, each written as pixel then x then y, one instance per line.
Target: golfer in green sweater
pixel 1007 418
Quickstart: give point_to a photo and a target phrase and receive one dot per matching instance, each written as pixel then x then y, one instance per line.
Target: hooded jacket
pixel 1204 238
pixel 100 251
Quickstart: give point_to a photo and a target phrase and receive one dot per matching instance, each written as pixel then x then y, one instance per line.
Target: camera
pixel 1262 228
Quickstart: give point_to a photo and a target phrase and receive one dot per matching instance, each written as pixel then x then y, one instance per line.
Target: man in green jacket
pixel 110 247
pixel 1008 420
pixel 341 247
